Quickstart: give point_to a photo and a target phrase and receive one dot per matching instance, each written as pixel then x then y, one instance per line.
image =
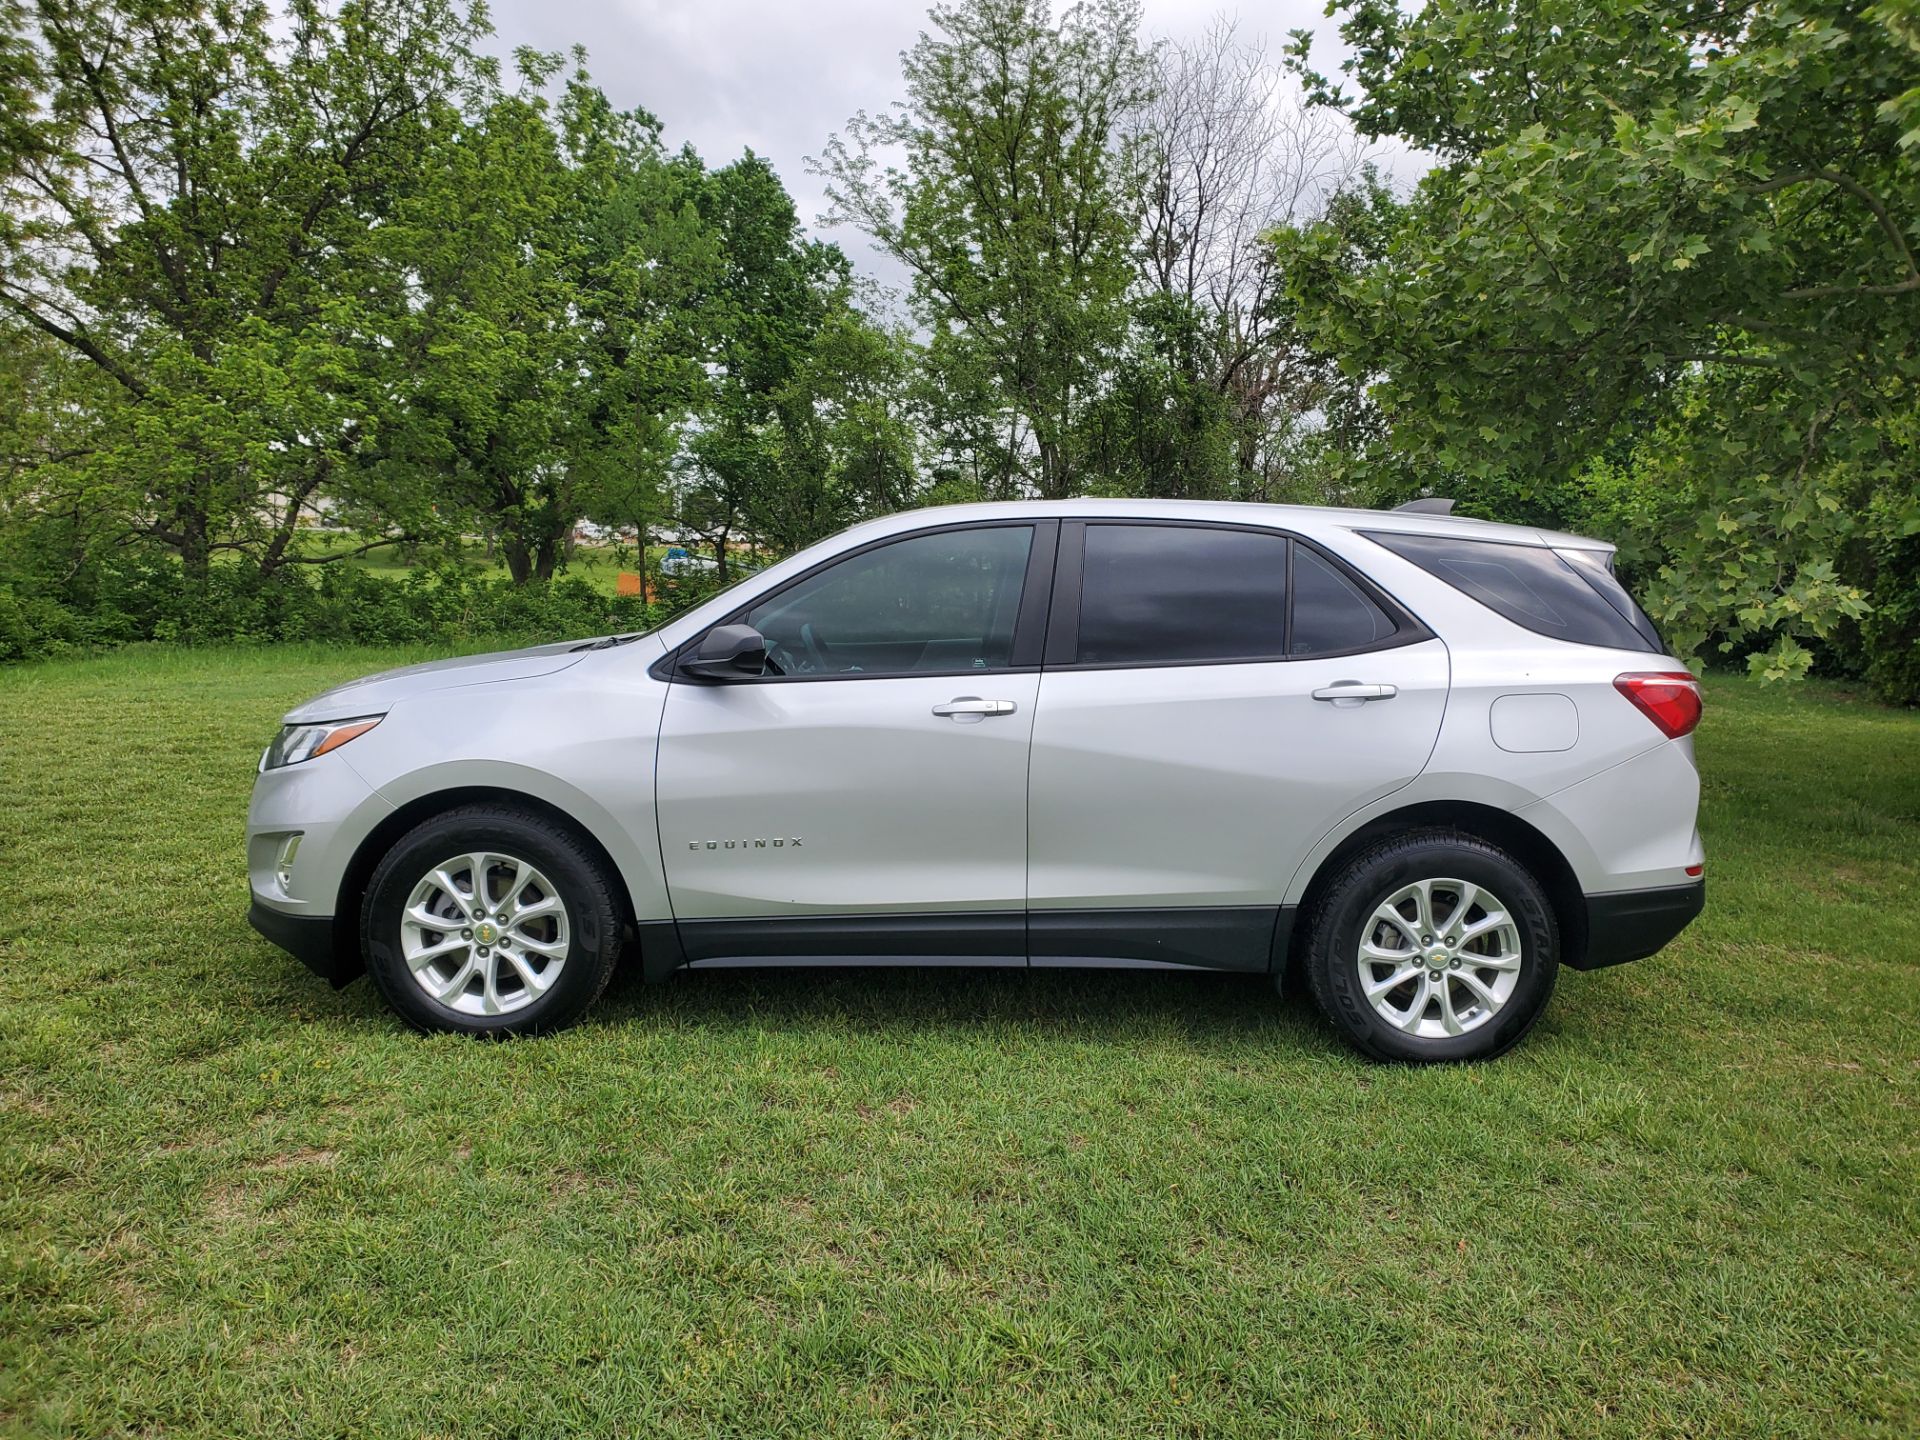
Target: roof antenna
pixel 1427 505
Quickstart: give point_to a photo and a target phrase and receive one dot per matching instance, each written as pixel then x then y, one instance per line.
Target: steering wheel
pixel 782 661
pixel 816 650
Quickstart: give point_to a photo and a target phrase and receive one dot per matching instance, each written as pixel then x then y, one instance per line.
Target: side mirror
pixel 728 652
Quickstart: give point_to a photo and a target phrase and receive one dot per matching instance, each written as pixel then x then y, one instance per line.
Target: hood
pixel 376 694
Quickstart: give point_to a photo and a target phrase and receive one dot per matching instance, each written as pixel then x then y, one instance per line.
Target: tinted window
pixel 1330 613
pixel 1156 593
pixel 1529 584
pixel 945 601
pixel 1596 566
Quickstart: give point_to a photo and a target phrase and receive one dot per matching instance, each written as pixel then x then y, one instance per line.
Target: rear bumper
pixel 309 939
pixel 1633 924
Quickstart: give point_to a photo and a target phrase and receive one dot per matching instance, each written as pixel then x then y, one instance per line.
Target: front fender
pixel 638 864
pixel 586 749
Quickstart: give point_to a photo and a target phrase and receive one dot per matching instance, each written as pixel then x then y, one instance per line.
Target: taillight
pixel 1669 698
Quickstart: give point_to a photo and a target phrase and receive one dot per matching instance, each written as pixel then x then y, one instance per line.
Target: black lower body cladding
pixel 1633 924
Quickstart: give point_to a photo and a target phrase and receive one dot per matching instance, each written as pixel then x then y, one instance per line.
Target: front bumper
pixel 332 809
pixel 1633 924
pixel 309 939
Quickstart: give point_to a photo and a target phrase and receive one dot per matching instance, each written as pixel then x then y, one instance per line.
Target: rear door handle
pixel 1354 690
pixel 969 709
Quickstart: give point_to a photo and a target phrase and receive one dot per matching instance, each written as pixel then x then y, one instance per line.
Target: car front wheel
pixel 490 921
pixel 1433 946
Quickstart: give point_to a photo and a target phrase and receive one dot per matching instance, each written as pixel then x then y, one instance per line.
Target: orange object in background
pixel 627 584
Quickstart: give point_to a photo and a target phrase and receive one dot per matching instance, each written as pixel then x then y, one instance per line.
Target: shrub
pixel 144 598
pixel 1890 632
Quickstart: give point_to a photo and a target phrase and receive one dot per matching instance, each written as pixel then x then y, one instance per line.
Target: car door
pixel 1215 697
pixel 867 797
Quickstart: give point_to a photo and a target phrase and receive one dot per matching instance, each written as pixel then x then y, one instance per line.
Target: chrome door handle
pixel 1354 690
pixel 972 706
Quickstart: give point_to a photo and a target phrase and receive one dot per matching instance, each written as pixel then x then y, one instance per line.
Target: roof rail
pixel 1428 505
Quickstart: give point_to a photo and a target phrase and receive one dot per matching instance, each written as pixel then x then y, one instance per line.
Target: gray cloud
pixel 780 78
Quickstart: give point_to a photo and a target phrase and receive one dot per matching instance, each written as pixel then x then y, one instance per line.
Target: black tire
pixel 593 915
pixel 1331 951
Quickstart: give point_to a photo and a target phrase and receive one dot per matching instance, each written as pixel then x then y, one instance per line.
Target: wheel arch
pixel 1520 839
pixel 386 834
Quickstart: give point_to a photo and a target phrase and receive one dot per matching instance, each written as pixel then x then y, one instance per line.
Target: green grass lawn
pixel 235 1203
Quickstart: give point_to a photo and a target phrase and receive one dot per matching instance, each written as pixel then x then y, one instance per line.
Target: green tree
pixel 1012 215
pixel 844 442
pixel 55 410
pixel 193 202
pixel 1682 233
pixel 551 354
pixel 803 431
pixel 758 316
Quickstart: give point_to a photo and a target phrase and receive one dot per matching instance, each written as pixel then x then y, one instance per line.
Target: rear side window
pixel 1531 585
pixel 1330 614
pixel 1171 594
pixel 1597 567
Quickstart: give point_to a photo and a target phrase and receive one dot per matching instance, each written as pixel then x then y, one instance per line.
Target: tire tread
pixel 600 962
pixel 1357 873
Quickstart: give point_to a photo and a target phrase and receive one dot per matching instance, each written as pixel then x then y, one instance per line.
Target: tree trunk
pixel 530 559
pixel 1055 482
pixel 518 557
pixel 196 548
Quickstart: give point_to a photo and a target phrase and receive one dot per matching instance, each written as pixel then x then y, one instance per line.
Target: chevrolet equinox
pixel 1422 760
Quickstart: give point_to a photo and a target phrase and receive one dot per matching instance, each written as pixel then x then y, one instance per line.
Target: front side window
pixel 935 603
pixel 1531 585
pixel 1182 594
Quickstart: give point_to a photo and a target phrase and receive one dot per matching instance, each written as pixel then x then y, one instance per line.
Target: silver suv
pixel 1423 761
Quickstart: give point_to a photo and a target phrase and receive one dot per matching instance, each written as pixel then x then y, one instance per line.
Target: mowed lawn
pixel 236 1203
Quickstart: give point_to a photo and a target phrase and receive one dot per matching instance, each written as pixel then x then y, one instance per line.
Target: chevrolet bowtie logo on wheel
pixel 787 842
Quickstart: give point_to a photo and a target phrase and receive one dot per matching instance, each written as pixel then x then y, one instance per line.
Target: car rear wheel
pixel 490 921
pixel 1433 946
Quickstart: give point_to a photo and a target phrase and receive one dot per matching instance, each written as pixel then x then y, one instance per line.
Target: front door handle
pixel 971 709
pixel 1354 690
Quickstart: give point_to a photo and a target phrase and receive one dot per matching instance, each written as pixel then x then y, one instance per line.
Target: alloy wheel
pixel 1439 957
pixel 485 933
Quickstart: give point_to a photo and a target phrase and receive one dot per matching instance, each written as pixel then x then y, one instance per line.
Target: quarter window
pixel 1163 594
pixel 934 603
pixel 1330 613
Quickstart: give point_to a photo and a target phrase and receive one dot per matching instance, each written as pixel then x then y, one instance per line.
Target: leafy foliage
pixel 1689 229
pixel 802 433
pixel 1011 215
pixel 446 604
pixel 554 341
pixel 197 205
pixel 264 268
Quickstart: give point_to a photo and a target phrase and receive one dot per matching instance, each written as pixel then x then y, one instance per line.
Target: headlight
pixel 304 742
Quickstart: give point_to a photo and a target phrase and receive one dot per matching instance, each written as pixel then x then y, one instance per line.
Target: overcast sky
pixel 780 76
